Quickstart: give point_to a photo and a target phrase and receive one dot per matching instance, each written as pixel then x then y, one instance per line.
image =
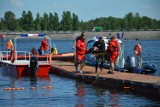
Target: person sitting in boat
pixel 34 51
pixel 99 48
pixel 113 49
pixel 44 46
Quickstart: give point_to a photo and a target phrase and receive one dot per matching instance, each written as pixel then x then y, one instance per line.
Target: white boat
pixel 131 64
pixel 90 59
pixel 28 66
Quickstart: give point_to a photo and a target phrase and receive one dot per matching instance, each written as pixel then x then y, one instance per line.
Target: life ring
pixel 12 56
pixel 138 49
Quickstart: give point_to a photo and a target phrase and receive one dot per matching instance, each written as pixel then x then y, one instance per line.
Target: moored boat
pixel 129 64
pixel 26 66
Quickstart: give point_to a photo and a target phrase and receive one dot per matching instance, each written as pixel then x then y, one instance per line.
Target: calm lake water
pixel 68 92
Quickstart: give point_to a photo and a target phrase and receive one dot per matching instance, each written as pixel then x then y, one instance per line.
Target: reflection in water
pixel 80 93
pixel 114 99
pixel 33 81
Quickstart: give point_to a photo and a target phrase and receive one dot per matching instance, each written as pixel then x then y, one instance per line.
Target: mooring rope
pixel 96 79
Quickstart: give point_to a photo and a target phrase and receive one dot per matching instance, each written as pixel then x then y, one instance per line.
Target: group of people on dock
pixel 102 54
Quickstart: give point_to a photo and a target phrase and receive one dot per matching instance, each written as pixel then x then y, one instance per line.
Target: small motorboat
pixel 28 66
pixel 90 59
pixel 131 64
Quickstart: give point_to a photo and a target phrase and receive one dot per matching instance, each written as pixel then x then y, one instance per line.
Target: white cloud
pixel 17 3
pixel 146 7
pixel 62 6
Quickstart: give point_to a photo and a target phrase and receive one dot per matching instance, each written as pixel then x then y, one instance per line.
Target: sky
pixel 84 9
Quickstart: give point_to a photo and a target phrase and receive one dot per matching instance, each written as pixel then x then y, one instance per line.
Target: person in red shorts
pixel 80 51
pixel 113 49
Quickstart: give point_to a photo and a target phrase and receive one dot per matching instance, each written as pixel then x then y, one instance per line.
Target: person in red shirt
pixel 113 50
pixel 44 46
pixel 80 51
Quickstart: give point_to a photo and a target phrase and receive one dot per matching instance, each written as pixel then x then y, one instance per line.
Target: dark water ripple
pixel 71 93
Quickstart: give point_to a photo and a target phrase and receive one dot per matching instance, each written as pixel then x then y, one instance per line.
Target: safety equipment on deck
pixel 138 49
pixel 54 51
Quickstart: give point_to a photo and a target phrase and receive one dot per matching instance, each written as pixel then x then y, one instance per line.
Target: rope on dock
pixel 96 79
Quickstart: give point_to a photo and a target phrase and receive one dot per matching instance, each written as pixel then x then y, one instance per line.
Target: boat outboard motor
pixel 33 65
pixel 130 63
pixel 149 69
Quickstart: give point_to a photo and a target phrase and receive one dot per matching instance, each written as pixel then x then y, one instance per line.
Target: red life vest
pixel 113 46
pixel 81 46
pixel 44 45
pixel 80 49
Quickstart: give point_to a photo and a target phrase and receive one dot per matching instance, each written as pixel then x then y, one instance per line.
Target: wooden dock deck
pixel 139 83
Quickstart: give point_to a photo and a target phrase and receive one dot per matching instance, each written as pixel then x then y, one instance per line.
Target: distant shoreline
pixel 129 35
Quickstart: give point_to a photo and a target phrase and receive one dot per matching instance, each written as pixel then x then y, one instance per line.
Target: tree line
pixel 71 22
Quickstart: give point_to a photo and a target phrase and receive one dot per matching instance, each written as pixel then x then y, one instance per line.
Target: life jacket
pixel 80 46
pixel 8 45
pixel 113 46
pixel 54 51
pixel 44 45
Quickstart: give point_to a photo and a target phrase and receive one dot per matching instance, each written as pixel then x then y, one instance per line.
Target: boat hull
pixel 22 70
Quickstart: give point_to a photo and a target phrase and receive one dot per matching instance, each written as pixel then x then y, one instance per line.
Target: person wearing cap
pixel 99 47
pixel 113 49
pixel 80 52
pixel 44 46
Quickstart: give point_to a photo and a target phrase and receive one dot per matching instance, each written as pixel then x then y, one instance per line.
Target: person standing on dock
pixel 80 51
pixel 44 46
pixel 99 49
pixel 113 49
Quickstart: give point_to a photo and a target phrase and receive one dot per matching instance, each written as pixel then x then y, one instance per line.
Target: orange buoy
pixel 33 88
pixel 127 87
pixel 43 87
pixel 21 88
pixel 138 49
pixel 17 88
pixel 49 87
pixel 6 89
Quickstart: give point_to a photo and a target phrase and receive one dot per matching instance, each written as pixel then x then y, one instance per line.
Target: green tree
pixel 56 24
pixel 146 22
pixel 37 22
pixel 30 21
pixel 51 21
pixel 137 21
pixel 9 21
pixel 129 21
pixel 44 24
pixel 75 22
pixel 66 21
